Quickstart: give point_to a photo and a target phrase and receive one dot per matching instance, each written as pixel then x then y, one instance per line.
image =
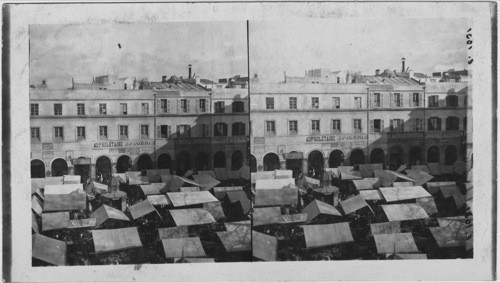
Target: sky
pixel 216 50
pixel 364 45
pixel 59 53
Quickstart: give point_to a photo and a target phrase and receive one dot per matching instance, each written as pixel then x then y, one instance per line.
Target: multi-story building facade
pixel 95 132
pixel 306 127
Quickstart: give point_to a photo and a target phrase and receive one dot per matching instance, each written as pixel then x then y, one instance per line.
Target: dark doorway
pixel 164 161
pixel 220 160
pixel 357 157
pixel 236 160
pixel 433 154
pixel 123 164
pixel 253 164
pixel 336 159
pixel 183 163
pixel 450 155
pixel 103 169
pixel 395 158
pixel 144 162
pixel 315 164
pixel 415 156
pixel 377 156
pixel 201 161
pixel 59 167
pixel 294 164
pixel 271 162
pixel 37 169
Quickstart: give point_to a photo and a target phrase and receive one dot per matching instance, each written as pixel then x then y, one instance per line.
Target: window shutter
pixel 420 99
pixel 372 126
pixel 392 99
pixel 187 105
pixel 402 125
pixel 353 126
pixel 402 100
pixel 168 106
pixel 391 125
pixel 439 124
pixel 381 125
pixel 243 132
pixel 372 102
pixel 158 106
pixel 225 129
pixel 381 99
pixel 197 106
pixel 178 106
pixel 158 131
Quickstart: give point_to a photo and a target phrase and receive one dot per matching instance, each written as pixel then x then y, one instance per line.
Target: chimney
pixel 377 72
pixel 189 71
pixel 163 79
pixel 403 65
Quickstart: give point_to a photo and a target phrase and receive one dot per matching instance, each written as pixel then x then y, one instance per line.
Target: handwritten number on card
pixel 469 44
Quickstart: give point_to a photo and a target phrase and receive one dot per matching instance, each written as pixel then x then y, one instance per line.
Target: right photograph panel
pixel 361 139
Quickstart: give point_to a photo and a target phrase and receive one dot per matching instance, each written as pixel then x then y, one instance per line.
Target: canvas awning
pixel 54 220
pixel 387 177
pixel 327 190
pixel 312 181
pixel 363 184
pixel 137 181
pixel 263 175
pixel 446 169
pixel 406 256
pixel 367 169
pixel 71 179
pixel 36 205
pixel 215 208
pixel 237 240
pixel 97 187
pixel 424 168
pixel 220 192
pixel 273 184
pixel 453 191
pixel 404 211
pixel 183 247
pixel 353 175
pixel 428 204
pixel 189 189
pixel 179 199
pixel 230 226
pixel 82 223
pixel 264 247
pixel 38 193
pixel 39 183
pixel 434 169
pixel 269 197
pixel 154 175
pixel 385 228
pixel 153 188
pixel 133 174
pixel 333 172
pixel 245 172
pixel 317 207
pixel 141 208
pixel 210 173
pixel 62 189
pixel 176 182
pixel 433 187
pixel 392 194
pixel 65 202
pixel 173 232
pixel 328 234
pixel 34 223
pixel 353 204
pixel 233 174
pixel 450 236
pixel 420 177
pixel 206 181
pixel 395 243
pixel 371 195
pixel 402 184
pixel 121 177
pixel 459 167
pixel 103 213
pixel 221 174
pixel 293 218
pixel 166 178
pixel 266 215
pixel 116 239
pixel 283 174
pixel 49 250
pixel 241 197
pixel 193 216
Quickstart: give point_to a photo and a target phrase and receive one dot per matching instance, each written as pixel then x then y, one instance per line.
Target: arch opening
pixel 271 162
pixel 37 169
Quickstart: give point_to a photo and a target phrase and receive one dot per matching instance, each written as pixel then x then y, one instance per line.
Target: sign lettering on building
pixel 444 134
pixel 259 140
pixel 405 135
pixel 237 139
pixel 47 146
pixel 112 144
pixel 188 141
pixel 80 161
pixel 294 155
pixel 336 138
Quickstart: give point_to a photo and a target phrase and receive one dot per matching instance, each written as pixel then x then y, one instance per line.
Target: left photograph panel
pixel 139 143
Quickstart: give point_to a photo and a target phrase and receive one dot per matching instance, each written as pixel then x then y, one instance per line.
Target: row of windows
pixel 376 126
pixel 184 107
pixel 376 100
pixel 163 131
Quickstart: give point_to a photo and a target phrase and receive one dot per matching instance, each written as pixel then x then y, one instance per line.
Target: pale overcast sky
pixel 356 44
pixel 60 52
